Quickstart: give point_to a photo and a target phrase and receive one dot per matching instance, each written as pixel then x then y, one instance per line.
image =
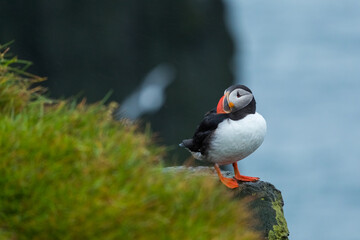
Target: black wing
pixel 200 140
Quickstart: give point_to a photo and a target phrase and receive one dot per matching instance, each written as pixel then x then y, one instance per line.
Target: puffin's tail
pixel 186 143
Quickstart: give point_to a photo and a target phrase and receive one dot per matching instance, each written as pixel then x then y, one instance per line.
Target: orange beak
pixel 224 106
pixel 220 106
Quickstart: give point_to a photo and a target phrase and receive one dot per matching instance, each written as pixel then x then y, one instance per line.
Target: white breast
pixel 235 140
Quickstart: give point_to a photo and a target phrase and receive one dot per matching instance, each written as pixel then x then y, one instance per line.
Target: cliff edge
pixel 264 201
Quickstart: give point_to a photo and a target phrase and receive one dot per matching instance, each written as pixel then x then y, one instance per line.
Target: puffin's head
pixel 235 98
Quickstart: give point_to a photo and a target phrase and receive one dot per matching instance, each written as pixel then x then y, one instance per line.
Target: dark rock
pixel 267 203
pixel 264 199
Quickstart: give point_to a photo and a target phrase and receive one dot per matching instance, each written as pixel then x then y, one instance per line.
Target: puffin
pixel 229 133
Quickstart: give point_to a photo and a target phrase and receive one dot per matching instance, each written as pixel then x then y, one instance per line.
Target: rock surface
pixel 264 199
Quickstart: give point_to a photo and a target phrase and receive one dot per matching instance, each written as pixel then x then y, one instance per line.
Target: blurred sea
pixel 302 61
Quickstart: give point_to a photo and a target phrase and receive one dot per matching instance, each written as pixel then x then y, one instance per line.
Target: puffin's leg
pixel 240 177
pixel 229 182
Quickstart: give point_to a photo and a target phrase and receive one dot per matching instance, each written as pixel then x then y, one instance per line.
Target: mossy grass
pixel 280 230
pixel 69 171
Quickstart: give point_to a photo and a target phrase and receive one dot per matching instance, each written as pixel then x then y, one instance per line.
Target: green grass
pixel 69 171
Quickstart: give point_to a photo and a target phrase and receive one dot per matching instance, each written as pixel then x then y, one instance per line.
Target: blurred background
pixel 168 63
pixel 165 62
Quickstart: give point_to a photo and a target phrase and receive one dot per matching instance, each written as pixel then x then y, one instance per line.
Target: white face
pixel 240 98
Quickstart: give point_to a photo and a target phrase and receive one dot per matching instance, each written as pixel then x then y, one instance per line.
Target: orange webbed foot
pixel 243 178
pixel 229 182
pixel 246 178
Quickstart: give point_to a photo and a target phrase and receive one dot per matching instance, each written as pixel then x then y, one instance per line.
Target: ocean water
pixel 302 61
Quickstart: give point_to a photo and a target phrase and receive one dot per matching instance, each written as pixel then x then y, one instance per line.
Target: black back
pixel 202 135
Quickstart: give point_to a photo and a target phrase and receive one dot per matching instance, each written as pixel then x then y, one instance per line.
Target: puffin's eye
pixel 238 94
